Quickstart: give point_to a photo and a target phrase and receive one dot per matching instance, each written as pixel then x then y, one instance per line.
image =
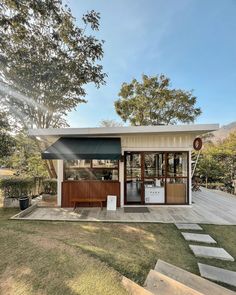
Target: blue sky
pixel 191 41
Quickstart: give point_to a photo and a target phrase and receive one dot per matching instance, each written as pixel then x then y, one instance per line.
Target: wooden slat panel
pixel 175 193
pixel 88 189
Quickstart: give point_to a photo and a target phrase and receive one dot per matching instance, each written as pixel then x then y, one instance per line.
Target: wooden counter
pixel 88 189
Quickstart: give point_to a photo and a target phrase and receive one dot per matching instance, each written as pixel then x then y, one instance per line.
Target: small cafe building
pixel 140 165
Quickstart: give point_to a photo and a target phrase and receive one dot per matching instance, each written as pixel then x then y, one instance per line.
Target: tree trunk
pixel 206 181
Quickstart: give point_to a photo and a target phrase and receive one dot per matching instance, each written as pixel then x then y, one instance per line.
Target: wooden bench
pixel 88 200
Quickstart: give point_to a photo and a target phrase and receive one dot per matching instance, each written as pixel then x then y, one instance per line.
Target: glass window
pixel 154 182
pixel 83 170
pixel 105 164
pixel 133 166
pixel 177 164
pixel 91 174
pixel 78 163
pixel 105 174
pixel 154 164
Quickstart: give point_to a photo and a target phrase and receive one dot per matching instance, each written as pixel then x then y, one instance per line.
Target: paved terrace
pixel 209 206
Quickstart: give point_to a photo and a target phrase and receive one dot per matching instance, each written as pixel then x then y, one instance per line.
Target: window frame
pixel 164 177
pixel 91 168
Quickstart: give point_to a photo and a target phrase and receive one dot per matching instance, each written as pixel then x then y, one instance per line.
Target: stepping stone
pixel 191 280
pixel 217 274
pixel 211 252
pixel 192 226
pixel 198 238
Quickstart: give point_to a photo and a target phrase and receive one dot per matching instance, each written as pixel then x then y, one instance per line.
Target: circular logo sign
pixel 197 143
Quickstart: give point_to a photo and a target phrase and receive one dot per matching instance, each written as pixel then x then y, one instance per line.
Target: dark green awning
pixel 70 148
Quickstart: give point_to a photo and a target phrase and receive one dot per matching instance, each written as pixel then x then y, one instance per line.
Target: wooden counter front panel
pixel 88 189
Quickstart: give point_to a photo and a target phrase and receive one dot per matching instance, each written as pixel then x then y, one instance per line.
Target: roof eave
pixel 118 131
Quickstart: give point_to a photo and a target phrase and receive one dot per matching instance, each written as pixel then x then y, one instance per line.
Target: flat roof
pixel 117 131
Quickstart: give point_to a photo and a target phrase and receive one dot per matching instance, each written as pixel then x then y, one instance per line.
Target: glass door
pixel 154 177
pixel 133 178
pixel 177 178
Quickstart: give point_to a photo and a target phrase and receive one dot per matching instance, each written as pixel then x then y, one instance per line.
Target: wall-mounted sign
pixel 197 143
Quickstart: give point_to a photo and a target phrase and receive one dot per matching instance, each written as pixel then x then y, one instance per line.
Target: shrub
pixel 50 186
pixel 225 187
pixel 213 185
pixel 16 187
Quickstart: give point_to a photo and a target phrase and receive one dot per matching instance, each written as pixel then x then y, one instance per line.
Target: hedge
pixel 213 185
pixel 50 186
pixel 16 187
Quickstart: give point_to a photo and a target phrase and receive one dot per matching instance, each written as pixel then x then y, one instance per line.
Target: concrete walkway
pixel 208 207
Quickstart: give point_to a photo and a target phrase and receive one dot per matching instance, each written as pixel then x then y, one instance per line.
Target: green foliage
pixel 45 60
pixel 214 185
pixel 209 168
pixel 218 161
pixel 7 142
pixel 16 187
pixel 26 159
pixel 50 186
pixel 153 102
pixel 110 123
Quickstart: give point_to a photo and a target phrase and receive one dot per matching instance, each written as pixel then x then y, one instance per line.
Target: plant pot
pixel 24 203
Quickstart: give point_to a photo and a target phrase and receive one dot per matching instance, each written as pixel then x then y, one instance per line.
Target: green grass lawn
pixel 87 258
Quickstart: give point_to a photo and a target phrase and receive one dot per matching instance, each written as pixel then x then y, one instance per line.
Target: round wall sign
pixel 197 143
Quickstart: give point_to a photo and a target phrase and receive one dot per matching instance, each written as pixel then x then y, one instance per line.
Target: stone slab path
pixel 218 274
pixel 189 226
pixel 203 238
pixel 207 271
pixel 211 252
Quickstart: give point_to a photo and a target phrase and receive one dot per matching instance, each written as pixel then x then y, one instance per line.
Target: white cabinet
pixel 154 195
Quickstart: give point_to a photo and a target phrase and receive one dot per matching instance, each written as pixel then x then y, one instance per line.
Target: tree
pixel 110 123
pixel 209 168
pixel 7 142
pixel 45 60
pixel 225 153
pixel 153 102
pixel 26 159
pixel 218 161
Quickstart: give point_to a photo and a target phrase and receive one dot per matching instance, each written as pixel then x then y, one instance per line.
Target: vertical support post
pixel 190 177
pixel 121 179
pixel 59 181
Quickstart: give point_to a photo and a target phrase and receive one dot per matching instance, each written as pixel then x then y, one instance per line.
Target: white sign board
pixel 111 203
